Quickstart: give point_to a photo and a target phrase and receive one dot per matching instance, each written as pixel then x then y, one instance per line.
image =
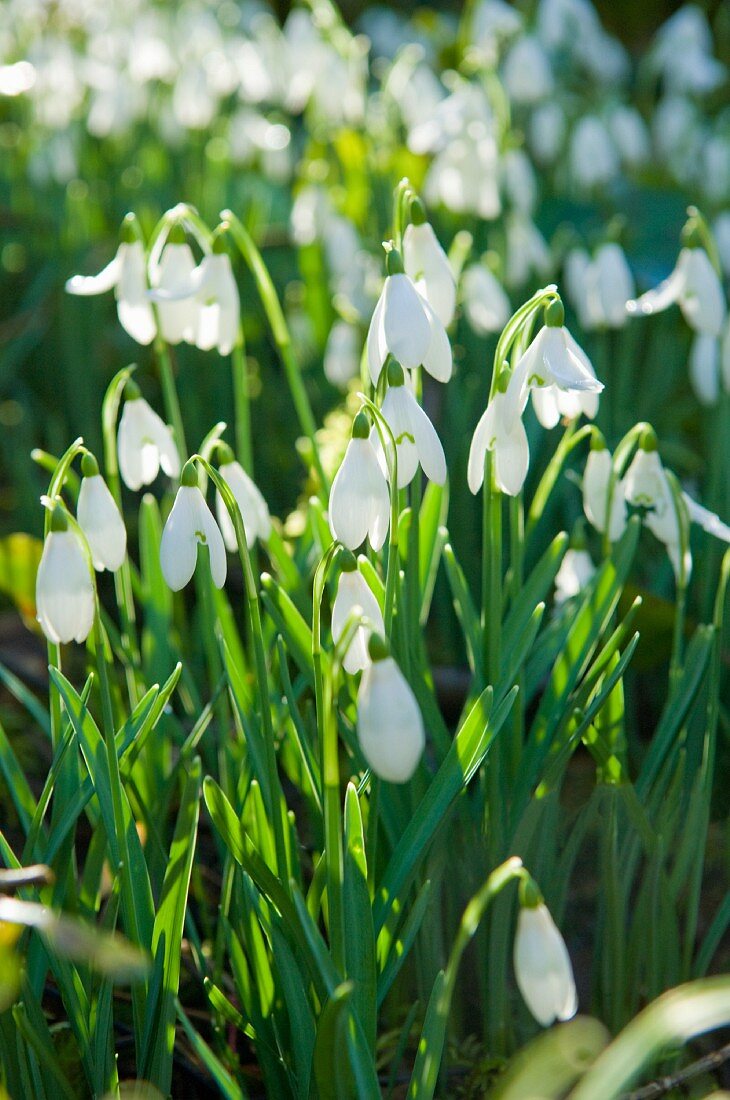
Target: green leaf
pixel 432 536
pixel 359 940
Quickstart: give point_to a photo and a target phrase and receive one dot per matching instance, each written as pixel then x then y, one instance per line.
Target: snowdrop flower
pixel 551 405
pixel 216 314
pixel 630 135
pixel 721 232
pixel 504 436
pixel 542 964
pixel 597 481
pixel 405 326
pixel 575 275
pixel 100 519
pixel 646 487
pixel 695 286
pixel 552 359
pixel 416 440
pixel 189 525
pixel 527 250
pixel 171 274
pixel 609 283
pixel 342 354
pixel 464 173
pixel 359 504
pixel 427 266
pixel 520 182
pixel 65 597
pixel 704 368
pixel 576 570
pixel 485 302
pixel 547 129
pixel 144 443
pixel 526 73
pixel 126 275
pixel 593 157
pixel 725 358
pixel 389 722
pixel 354 596
pixel 254 510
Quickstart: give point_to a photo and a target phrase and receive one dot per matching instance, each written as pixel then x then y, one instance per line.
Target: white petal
pixel 398 412
pixel 85 285
pixel 545 404
pixel 102 524
pixel 135 311
pixel 430 452
pixel 354 592
pixel 179 544
pixel 175 269
pixel 704 368
pixel 405 322
pixel 427 265
pixel 542 967
pixel 358 494
pixel 376 349
pixel 596 479
pixel 213 539
pixel 662 296
pixel 564 363
pixel 702 299
pixel 65 599
pixel 481 442
pixel 254 511
pixel 390 727
pixel 438 360
pixel 512 459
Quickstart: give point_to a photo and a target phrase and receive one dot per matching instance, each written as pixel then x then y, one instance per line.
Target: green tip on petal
pixel 393 260
pixel 361 426
pixel 530 896
pixel 598 442
pixel 648 440
pixel 220 246
pixel 176 234
pixel 189 476
pixel 578 540
pixel 59 519
pixel 418 211
pixel 225 454
pixel 503 378
pixel 555 314
pixel 378 648
pixel 347 561
pixel 129 231
pixel 132 392
pixel 89 465
pixel 396 376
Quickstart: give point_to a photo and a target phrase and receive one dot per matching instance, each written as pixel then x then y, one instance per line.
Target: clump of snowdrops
pixel 255 778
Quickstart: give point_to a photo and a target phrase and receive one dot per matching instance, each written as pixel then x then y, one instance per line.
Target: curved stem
pixel 169 396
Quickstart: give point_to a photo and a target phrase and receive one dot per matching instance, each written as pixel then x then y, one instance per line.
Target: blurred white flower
pixel 354 595
pixel 547 129
pixel 528 254
pixel 464 174
pixel 405 326
pixel 520 182
pixel 704 367
pixel 426 263
pixel 189 525
pixel 101 521
pixel 485 302
pixel 542 967
pixel 389 722
pixel 576 570
pixel 254 510
pixel 593 158
pixel 646 487
pixel 64 594
pixel 144 443
pixel 359 504
pixel 126 275
pixel 596 486
pixel 216 313
pixel 526 71
pixel 695 286
pixel 630 135
pixel 599 288
pixel 342 354
pixel 172 274
pixel 416 440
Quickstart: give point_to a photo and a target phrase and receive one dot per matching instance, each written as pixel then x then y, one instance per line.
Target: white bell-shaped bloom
pixel 553 358
pixel 359 504
pixel 485 301
pixel 65 597
pixel 101 521
pixel 427 265
pixel 416 439
pixel 354 596
pixel 547 131
pixel 405 326
pixel 576 570
pixel 527 251
pixel 519 180
pixel 508 441
pixel 189 525
pixel 704 367
pixel 542 967
pixel 389 722
pixel 609 284
pixel 172 275
pixel 695 286
pixel 126 275
pixel 144 444
pixel 593 157
pixel 575 279
pixel 596 487
pixel 527 73
pixel 216 314
pixel 254 510
pixel 646 486
pixel 630 134
pixel 342 354
pixel 464 173
pixel 551 405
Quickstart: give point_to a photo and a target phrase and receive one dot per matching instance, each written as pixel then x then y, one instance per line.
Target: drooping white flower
pixel 342 354
pixel 543 968
pixel 508 440
pixel 576 570
pixel 551 405
pixel 427 265
pixel 527 251
pixel 171 274
pixel 547 131
pixel 65 597
pixel 630 134
pixel 389 722
pixel 254 510
pixel 464 173
pixel 485 302
pixel 519 180
pixel 405 326
pixel 695 286
pixel 416 439
pixel 126 275
pixel 552 359
pixel 527 73
pixel 704 367
pixel 609 284
pixel 216 313
pixel 359 504
pixel 646 487
pixel 354 595
pixel 593 157
pixel 596 488
pixel 189 525
pixel 144 443
pixel 100 519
